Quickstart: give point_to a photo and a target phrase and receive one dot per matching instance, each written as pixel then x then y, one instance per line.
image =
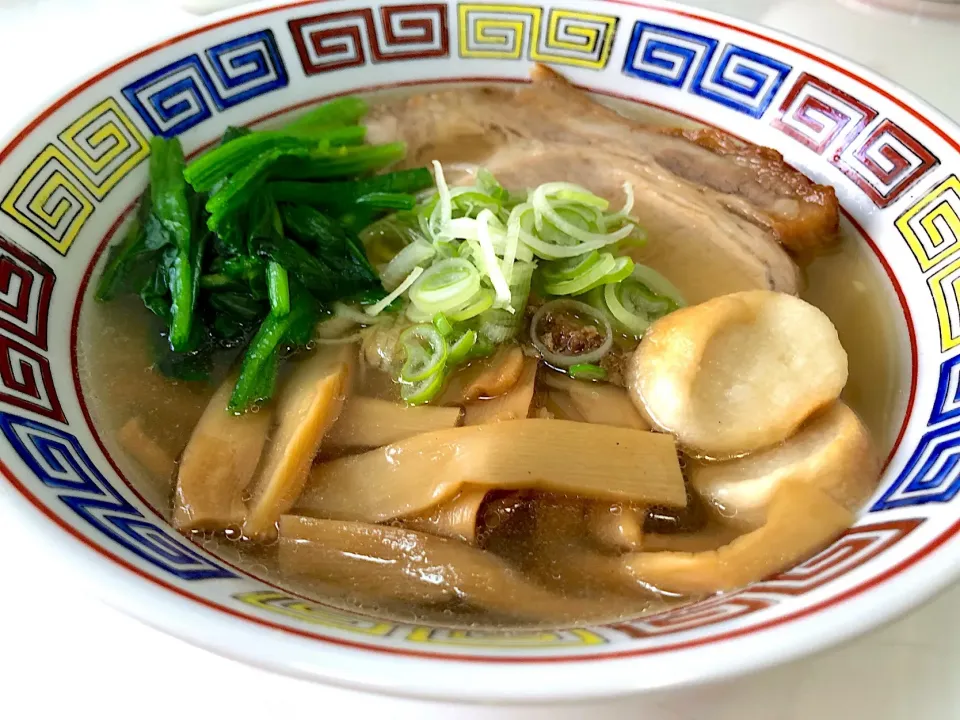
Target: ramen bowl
pixel 71 174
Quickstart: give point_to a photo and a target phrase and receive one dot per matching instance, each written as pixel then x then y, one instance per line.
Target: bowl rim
pixel 403 673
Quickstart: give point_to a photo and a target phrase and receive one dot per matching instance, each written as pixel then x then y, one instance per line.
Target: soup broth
pixel 539 546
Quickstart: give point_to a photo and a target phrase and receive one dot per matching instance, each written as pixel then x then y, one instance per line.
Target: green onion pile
pixel 462 263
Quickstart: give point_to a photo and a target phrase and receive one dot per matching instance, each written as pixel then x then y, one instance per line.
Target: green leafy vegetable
pixel 171 206
pixel 258 370
pixel 278 288
pixel 334 264
pixel 224 267
pixel 239 149
pixel 336 163
pixel 122 257
pixel 347 110
pixel 340 196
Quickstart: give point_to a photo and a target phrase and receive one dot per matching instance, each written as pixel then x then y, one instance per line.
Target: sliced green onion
pixel 424 391
pixel 579 310
pixel 426 353
pixel 377 308
pixel 414 314
pixel 634 305
pixel 470 201
pixel 445 285
pixel 581 283
pixel 658 284
pixel 511 246
pixel 569 268
pixel 483 348
pixel 587 371
pixel 443 325
pixel 481 302
pixel 443 211
pixel 490 261
pixel 624 213
pixel 497 328
pixel 413 255
pixel 568 192
pixel 553 249
pixel 595 269
pixel 622 268
pixel 540 200
pixel 632 319
pixel 461 349
pixel 491 186
pixel 498 325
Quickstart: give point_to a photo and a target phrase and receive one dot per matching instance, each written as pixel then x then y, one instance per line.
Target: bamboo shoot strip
pixel 456 518
pixel 615 527
pixel 408 477
pixel 600 403
pixel 217 465
pixel 370 423
pixel 146 451
pixel 394 563
pixel 307 406
pixel 512 405
pixel 499 377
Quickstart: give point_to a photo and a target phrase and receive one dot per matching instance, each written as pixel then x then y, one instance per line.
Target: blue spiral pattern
pixel 245 68
pixel 60 463
pixel 172 100
pixel 931 475
pixel 737 78
pixel 184 93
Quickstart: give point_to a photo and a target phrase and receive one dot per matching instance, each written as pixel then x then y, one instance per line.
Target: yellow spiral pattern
pixel 107 144
pixel 944 286
pixel 47 199
pixel 511 32
pixel 584 39
pixel 932 226
pixel 316 614
pixel 493 639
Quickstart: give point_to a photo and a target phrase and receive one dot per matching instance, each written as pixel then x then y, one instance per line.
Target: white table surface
pixel 62 651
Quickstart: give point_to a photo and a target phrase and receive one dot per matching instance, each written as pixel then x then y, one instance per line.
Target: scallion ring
pixel 423 391
pixel 634 304
pixel 581 310
pixel 461 348
pixel 445 285
pixel 479 303
pixel 426 352
pixel 443 325
pixel 587 371
pixel 569 268
pixel 659 284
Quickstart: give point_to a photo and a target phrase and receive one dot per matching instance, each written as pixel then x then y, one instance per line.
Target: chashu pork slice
pixel 722 215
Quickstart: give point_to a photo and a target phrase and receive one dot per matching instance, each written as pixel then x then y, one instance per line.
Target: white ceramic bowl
pixel 70 174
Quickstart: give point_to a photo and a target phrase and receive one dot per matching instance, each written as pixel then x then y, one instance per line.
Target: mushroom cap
pixel 737 373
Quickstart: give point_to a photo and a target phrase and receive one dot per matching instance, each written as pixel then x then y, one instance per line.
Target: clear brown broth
pixel 119 383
